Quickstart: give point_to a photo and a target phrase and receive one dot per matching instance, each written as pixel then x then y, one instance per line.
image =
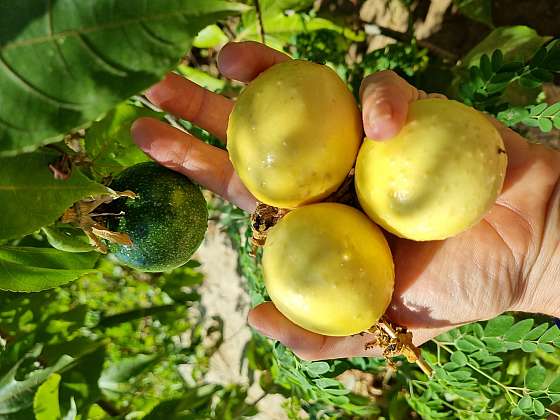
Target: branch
pixel 372 29
pixel 109 408
pixel 259 15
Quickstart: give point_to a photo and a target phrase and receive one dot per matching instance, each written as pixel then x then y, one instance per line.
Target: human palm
pixel 491 268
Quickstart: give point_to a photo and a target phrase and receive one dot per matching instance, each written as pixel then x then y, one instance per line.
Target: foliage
pixel 113 340
pixel 96 47
pixel 486 82
pixel 100 340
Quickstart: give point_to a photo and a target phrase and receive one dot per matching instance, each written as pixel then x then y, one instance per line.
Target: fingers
pixel 201 162
pixel 385 97
pixel 266 319
pixel 243 61
pixel 187 100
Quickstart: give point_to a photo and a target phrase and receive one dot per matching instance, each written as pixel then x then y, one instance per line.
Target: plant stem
pixel 388 328
pixel 109 408
pixel 505 387
pixel 261 26
pixel 405 37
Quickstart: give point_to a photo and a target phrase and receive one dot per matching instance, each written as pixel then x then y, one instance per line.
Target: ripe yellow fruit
pixel 294 134
pixel 328 269
pixel 437 177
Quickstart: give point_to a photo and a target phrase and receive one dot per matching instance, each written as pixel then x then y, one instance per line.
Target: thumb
pixel 385 97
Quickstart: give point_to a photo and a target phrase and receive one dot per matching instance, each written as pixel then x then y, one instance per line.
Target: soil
pixel 223 294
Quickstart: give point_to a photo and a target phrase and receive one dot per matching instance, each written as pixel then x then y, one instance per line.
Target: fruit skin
pixel 166 221
pixel 294 134
pixel 437 177
pixel 328 269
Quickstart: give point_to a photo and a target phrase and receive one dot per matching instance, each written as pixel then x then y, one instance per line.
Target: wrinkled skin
pixel 509 261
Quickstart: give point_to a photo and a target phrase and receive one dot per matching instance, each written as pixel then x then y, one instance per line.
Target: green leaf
pixel 327 383
pixel 528 347
pixel 465 345
pixel 519 329
pixel 512 116
pixel 93 55
pixel 491 362
pixel 317 368
pixel 451 366
pixel 474 341
pixel 512 345
pixel 109 143
pixel 497 60
pixel 494 345
pixel 537 109
pixel 461 375
pixel 485 67
pixel 67 239
pixel 32 197
pixel 201 78
pixel 48 258
pixel 536 332
pixel 535 377
pixel 115 379
pixel 554 398
pixel 525 403
pixel 80 380
pixel 552 334
pixel 478 10
pixel 498 326
pixel 45 402
pixel 545 125
pixel 459 358
pixel 552 110
pixel 554 385
pixel 538 408
pixel 547 348
pixel 27 269
pixel 556 121
pixel 516 412
pixel 517 43
pixel 210 37
pixel 17 395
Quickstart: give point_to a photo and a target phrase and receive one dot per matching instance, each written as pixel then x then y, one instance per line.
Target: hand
pixel 506 262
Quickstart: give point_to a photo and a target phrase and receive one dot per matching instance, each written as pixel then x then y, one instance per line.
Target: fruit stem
pixel 404 340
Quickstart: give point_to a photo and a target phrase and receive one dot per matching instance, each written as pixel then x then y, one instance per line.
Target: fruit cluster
pixel 294 136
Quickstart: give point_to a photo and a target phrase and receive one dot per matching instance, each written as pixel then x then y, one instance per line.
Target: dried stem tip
pixel 395 341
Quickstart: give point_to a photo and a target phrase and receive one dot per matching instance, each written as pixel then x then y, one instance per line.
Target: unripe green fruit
pixel 166 221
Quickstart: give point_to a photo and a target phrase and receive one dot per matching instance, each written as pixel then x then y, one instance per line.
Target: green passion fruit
pixel 166 221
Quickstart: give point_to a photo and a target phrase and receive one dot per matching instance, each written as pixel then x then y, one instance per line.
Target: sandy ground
pixel 223 295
